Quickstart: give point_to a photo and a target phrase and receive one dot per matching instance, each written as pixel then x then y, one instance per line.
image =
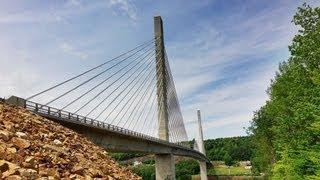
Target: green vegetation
pixel 184 170
pixel 229 150
pixel 146 171
pixel 286 130
pixel 125 156
pixel 231 170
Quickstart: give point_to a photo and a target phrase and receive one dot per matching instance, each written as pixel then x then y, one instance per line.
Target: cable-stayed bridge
pixel 128 103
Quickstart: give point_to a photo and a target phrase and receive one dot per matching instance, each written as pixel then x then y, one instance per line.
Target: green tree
pixel 186 168
pixel 125 156
pixel 228 160
pixel 146 171
pixel 286 130
pixel 238 148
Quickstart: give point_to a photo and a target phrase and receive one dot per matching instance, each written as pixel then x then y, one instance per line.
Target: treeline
pixel 125 156
pixel 230 149
pixel 286 130
pixel 184 170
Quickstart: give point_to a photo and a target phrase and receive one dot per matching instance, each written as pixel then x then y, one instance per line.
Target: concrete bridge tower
pixel 165 168
pixel 203 165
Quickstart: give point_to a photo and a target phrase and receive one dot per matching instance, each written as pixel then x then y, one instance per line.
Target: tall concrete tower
pixel 203 165
pixel 164 163
pixel 200 138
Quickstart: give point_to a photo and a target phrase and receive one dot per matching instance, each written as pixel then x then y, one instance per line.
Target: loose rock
pixel 57 142
pixel 4 134
pixel 32 149
pixel 7 168
pixel 21 143
pixel 21 134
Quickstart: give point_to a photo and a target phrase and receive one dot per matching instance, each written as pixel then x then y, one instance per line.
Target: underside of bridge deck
pixel 117 142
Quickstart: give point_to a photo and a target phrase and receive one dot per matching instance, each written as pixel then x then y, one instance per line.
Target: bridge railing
pixel 68 116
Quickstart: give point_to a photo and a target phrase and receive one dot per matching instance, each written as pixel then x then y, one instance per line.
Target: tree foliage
pixel 125 156
pixel 186 168
pixel 229 149
pixel 286 130
pixel 146 171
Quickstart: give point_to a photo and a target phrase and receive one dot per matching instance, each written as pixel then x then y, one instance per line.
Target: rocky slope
pixel 32 147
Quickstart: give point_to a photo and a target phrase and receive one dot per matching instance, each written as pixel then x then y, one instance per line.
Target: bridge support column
pixel 165 169
pixel 203 165
pixel 203 170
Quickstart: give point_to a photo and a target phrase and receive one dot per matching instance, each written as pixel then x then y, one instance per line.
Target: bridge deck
pixel 109 136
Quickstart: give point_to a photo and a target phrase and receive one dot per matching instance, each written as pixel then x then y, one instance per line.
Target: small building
pixel 135 163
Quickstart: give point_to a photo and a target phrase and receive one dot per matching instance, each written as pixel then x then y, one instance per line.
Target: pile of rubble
pixel 32 147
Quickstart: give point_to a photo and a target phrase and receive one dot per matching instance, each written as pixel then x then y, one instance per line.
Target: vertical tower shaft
pixel 161 80
pixel 203 165
pixel 164 163
pixel 200 140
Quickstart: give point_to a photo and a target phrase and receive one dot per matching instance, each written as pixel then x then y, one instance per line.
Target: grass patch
pixel 232 170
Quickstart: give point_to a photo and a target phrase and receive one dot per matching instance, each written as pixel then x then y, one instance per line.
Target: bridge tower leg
pixel 164 163
pixel 203 165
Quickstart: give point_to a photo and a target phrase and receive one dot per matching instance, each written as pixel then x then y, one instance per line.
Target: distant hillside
pixel 32 147
pixel 229 149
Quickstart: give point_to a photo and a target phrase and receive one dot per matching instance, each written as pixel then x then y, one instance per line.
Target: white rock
pixel 57 142
pixel 21 134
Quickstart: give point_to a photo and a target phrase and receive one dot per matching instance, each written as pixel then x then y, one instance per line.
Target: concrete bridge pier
pixel 165 169
pixel 203 170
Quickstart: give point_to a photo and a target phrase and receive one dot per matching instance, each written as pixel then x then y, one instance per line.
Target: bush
pixel 124 156
pixel 146 171
pixel 186 168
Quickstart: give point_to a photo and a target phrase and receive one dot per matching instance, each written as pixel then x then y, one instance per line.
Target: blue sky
pixel 222 53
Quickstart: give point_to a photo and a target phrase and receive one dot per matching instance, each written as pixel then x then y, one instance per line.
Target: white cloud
pixel 74 2
pixel 228 105
pixel 68 48
pixel 124 6
pixel 199 65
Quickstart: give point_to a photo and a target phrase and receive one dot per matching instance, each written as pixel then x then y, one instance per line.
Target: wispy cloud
pixel 124 7
pixel 68 48
pixel 74 2
pixel 221 57
pixel 229 68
